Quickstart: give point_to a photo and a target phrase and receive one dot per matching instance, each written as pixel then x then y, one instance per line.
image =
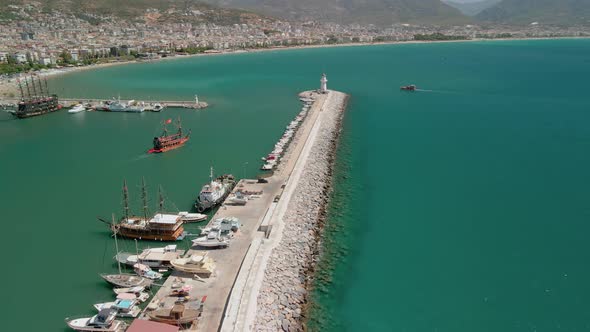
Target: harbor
pixel 213 285
pixel 224 289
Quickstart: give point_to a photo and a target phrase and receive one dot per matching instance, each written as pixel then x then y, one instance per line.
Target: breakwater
pixel 274 286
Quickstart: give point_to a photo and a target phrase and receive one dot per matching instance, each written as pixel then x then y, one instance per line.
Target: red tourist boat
pixel 169 142
pixel 408 88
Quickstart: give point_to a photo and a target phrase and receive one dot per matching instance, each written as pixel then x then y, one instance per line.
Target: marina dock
pixel 224 286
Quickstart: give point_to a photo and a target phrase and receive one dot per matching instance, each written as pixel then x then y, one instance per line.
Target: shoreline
pixel 8 88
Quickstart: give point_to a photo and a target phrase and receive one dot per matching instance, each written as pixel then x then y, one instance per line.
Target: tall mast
pixel 126 200
pixel 42 94
pixel 115 230
pixel 28 90
pixel 211 175
pixel 46 89
pixel 179 127
pixel 34 89
pixel 161 199
pixel 20 86
pixel 144 197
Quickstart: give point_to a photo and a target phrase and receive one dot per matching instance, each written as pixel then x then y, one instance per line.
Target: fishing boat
pixel 126 280
pixel 177 315
pixel 104 321
pixel 145 271
pixel 214 192
pixel 77 109
pixel 198 264
pixel 192 217
pixel 159 227
pixel 411 87
pixel 167 142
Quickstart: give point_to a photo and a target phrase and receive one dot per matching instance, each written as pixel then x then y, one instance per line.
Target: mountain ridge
pixel 520 12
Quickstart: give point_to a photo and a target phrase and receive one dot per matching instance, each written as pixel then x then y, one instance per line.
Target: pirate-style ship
pixel 35 98
pixel 160 227
pixel 169 142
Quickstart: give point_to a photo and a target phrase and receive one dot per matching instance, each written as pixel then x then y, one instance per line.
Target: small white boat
pixel 126 308
pixel 104 321
pixel 237 199
pixel 192 217
pixel 137 292
pixel 76 109
pixel 212 240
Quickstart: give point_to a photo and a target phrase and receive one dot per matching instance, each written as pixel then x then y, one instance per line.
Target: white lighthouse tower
pixel 324 84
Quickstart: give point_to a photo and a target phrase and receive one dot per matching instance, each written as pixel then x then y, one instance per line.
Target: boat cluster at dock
pixel 153 264
pixel 272 159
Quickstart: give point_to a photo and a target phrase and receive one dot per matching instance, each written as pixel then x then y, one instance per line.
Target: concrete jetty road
pixel 68 102
pixel 231 261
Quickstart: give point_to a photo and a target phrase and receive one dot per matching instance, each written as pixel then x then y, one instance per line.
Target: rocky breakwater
pixel 282 297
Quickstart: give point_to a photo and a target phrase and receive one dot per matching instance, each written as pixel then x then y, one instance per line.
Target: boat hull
pixel 126 281
pixel 170 147
pixel 79 325
pixel 146 235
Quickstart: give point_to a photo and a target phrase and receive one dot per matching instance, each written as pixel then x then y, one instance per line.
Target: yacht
pixel 213 239
pixel 104 321
pixel 77 109
pixel 124 308
pixel 198 264
pixel 192 217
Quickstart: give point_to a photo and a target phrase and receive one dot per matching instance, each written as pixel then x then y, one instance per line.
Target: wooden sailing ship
pixel 167 142
pixel 35 98
pixel 158 227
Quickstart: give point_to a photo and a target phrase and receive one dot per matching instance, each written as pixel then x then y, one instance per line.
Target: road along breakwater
pixel 270 292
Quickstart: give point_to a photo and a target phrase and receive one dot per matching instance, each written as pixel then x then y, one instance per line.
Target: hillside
pixel 380 12
pixel 555 12
pixel 471 8
pixel 138 10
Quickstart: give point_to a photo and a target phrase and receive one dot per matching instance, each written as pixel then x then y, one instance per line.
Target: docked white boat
pixel 192 217
pixel 77 109
pixel 137 292
pixel 212 240
pixel 126 280
pixel 152 257
pixel 145 271
pixel 104 321
pixel 126 308
pixel 198 264
pixel 237 199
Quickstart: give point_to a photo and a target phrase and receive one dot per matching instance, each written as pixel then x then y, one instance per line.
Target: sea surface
pixel 459 207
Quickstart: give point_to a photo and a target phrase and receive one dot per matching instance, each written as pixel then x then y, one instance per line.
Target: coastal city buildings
pixel 54 38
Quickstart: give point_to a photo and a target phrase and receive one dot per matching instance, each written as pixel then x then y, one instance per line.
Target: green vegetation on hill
pixel 554 12
pixel 379 12
pixel 438 36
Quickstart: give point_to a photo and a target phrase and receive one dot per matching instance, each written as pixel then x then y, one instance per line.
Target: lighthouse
pixel 324 84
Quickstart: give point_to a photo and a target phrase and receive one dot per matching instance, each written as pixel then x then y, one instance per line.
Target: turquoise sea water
pixel 458 208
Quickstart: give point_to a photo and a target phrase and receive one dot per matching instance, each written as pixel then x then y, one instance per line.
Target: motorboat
pixel 137 292
pixel 198 264
pixel 152 257
pixel 237 199
pixel 126 308
pixel 192 217
pixel 76 109
pixel 411 87
pixel 177 315
pixel 212 240
pixel 145 271
pixel 104 321
pixel 126 280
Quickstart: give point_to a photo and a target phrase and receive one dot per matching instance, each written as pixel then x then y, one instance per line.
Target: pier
pixel 229 291
pixel 95 103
